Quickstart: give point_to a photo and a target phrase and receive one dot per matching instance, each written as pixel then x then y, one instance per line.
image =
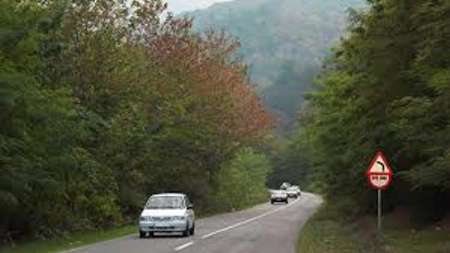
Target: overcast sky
pixel 178 6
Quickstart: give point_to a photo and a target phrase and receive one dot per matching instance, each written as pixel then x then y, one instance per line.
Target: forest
pixel 386 87
pixel 103 103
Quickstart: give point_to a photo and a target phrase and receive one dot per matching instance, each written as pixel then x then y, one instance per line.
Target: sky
pixel 177 6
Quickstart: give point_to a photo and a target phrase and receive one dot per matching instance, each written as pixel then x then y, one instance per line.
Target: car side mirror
pixel 190 206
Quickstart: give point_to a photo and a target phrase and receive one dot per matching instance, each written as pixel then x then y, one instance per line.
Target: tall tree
pixel 387 87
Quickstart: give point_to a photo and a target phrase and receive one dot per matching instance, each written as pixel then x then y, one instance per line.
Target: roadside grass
pixel 323 233
pixel 326 232
pixel 75 240
pixel 407 239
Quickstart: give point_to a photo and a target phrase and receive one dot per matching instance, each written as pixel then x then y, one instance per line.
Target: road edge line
pixel 182 247
pixel 246 221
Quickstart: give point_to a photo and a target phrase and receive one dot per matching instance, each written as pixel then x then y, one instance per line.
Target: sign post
pixel 379 211
pixel 379 175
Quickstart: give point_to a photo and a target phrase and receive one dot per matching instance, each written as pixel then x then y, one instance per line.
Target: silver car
pixel 279 196
pixel 293 192
pixel 168 212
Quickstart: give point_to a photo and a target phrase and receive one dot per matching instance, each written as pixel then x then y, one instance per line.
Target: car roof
pixel 169 195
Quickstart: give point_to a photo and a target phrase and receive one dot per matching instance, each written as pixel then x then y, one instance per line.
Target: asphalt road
pixel 263 229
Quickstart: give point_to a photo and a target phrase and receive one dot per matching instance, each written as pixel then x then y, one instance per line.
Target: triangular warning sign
pixel 379 172
pixel 379 165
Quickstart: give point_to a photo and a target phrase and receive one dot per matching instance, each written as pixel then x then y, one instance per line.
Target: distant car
pixel 279 196
pixel 297 188
pixel 285 185
pixel 168 212
pixel 293 192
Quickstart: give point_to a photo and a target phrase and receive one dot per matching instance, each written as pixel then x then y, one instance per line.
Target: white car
pixel 279 196
pixel 293 192
pixel 297 188
pixel 285 185
pixel 168 212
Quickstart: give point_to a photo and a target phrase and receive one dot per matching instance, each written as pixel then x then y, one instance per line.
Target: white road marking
pixel 246 221
pixel 186 245
pixel 182 247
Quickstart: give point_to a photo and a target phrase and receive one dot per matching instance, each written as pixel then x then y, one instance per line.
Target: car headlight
pixel 145 218
pixel 179 218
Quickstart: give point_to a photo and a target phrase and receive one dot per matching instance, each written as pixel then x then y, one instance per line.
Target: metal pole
pixel 379 211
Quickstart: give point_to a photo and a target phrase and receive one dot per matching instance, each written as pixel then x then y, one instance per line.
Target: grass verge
pixel 327 232
pixel 323 233
pixel 75 240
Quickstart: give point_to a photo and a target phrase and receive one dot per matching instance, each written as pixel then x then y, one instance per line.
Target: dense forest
pixel 386 87
pixel 283 42
pixel 102 103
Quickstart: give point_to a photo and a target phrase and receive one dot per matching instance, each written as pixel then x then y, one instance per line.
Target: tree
pixel 387 87
pixel 105 104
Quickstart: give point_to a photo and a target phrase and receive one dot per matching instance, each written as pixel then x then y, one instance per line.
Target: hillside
pixel 284 42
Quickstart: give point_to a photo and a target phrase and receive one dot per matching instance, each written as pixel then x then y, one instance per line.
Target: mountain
pixel 177 6
pixel 283 41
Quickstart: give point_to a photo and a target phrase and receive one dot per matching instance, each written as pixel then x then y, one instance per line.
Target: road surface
pixel 263 229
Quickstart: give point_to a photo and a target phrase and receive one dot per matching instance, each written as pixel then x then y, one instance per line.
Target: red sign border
pixel 390 173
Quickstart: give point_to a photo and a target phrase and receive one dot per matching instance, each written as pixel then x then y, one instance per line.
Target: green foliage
pixel 101 107
pixel 47 174
pixel 291 163
pixel 387 87
pixel 242 181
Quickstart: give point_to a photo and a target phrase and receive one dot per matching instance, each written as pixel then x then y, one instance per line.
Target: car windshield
pixel 165 202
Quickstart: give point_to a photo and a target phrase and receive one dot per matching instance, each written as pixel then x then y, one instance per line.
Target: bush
pixel 242 181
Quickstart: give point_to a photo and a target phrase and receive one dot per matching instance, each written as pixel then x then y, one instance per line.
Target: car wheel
pixel 271 202
pixel 142 234
pixel 192 231
pixel 287 201
pixel 186 231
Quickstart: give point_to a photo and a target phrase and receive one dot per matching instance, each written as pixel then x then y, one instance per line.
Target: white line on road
pixel 246 221
pixel 182 247
pixel 186 245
